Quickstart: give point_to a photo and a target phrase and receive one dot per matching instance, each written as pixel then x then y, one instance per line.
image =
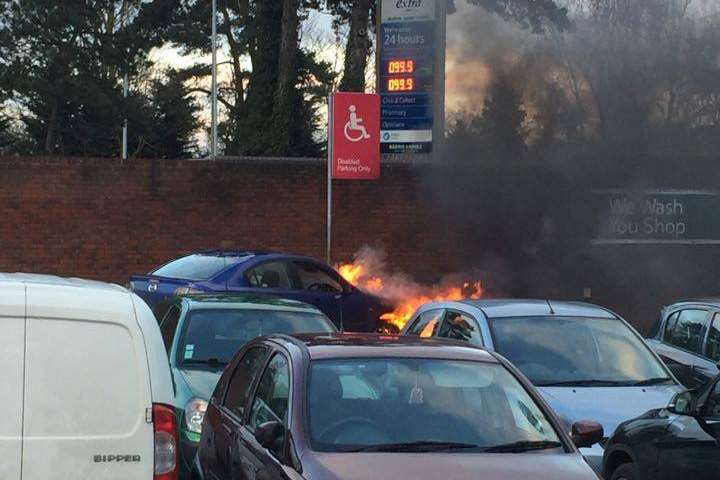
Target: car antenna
pixel 552 312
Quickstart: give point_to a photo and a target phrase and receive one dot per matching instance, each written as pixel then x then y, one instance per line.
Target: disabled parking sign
pixel 355 136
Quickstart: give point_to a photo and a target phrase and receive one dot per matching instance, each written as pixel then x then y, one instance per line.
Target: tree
pixel 537 15
pixel 65 62
pixel 503 117
pixel 6 136
pixel 165 118
pixel 270 107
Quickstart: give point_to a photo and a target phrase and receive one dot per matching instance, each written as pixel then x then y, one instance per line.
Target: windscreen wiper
pixel 415 447
pixel 652 381
pixel 211 362
pixel 585 383
pixel 523 446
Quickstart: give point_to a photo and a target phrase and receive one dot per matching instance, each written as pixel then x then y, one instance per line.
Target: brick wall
pixel 105 219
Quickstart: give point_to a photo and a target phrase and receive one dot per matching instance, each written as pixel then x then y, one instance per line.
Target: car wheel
pixel 626 471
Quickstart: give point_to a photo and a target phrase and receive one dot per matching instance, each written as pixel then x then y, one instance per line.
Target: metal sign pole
pixel 214 119
pixel 125 121
pixel 329 179
pixel 439 81
pixel 125 95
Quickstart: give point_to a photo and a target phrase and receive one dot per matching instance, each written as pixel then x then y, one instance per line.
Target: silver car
pixel 588 362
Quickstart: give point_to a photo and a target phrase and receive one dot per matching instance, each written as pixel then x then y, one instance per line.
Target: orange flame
pixel 406 295
pixel 404 311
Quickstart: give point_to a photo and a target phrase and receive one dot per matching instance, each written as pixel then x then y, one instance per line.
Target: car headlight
pixel 186 291
pixel 194 414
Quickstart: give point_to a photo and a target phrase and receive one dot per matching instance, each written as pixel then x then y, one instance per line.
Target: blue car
pixel 288 276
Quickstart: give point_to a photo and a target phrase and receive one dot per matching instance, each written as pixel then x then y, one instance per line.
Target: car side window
pixel 688 332
pixel 427 324
pixel 169 326
pixel 242 380
pixel 712 406
pixel 314 278
pixel 712 349
pixel 670 326
pixel 460 326
pixel 269 275
pixel 272 397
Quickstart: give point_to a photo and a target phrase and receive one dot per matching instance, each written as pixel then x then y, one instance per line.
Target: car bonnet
pixel 609 406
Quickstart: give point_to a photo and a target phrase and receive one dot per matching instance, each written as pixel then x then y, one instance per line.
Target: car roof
pixel 502 308
pixel 251 254
pixel 40 279
pixel 327 346
pixel 245 302
pixel 710 301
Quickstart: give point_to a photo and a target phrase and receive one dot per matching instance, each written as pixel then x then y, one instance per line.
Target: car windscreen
pixel 395 404
pixel 576 351
pixel 211 337
pixel 197 267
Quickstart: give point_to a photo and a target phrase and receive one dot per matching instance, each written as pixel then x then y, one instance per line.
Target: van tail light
pixel 166 442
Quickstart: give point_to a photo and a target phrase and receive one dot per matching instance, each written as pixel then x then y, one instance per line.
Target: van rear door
pixel 12 350
pixel 87 387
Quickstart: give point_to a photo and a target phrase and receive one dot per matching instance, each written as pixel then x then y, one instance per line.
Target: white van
pixel 85 385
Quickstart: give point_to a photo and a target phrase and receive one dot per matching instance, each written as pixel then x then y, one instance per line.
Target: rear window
pixel 198 267
pixel 213 336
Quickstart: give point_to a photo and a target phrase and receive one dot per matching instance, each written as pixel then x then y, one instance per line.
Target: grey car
pixel 687 338
pixel 587 361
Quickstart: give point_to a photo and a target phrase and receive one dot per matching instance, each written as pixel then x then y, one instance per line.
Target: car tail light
pixel 166 442
pixel 186 291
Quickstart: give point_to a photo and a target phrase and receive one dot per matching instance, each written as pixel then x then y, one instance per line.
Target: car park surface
pixel 351 406
pixel 203 332
pixel 687 338
pixel 681 441
pixel 86 390
pixel 587 362
pixel 259 273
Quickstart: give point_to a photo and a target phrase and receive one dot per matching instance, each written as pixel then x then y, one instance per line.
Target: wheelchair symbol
pixel 355 131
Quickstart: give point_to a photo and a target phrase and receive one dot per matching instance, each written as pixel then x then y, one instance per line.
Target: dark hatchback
pixel 687 338
pixel 344 406
pixel 202 333
pixel 681 441
pixel 271 274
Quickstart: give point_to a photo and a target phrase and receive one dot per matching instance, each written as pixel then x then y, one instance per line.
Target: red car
pixel 352 406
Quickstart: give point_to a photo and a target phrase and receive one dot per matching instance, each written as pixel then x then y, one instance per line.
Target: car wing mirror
pixel 587 433
pixel 270 435
pixel 683 403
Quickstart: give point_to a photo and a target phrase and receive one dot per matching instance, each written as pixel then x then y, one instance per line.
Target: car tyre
pixel 626 471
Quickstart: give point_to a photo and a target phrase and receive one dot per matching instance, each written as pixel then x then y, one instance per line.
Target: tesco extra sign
pixel 355 133
pixel 408 10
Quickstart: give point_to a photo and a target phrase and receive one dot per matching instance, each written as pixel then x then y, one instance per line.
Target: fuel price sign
pixel 407 56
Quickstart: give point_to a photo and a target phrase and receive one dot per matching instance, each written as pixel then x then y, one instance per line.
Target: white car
pixel 86 385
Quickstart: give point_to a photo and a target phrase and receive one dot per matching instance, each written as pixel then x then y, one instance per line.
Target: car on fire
pixel 259 273
pixel 687 338
pixel 358 406
pixel 202 333
pixel 586 360
pixel 680 441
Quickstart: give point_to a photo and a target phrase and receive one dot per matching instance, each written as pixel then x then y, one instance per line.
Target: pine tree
pixel 503 117
pixel 65 63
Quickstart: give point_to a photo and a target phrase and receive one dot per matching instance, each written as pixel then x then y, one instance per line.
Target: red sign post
pixel 355 134
pixel 353 143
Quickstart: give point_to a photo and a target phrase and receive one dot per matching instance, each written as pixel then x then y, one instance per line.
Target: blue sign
pixel 406 76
